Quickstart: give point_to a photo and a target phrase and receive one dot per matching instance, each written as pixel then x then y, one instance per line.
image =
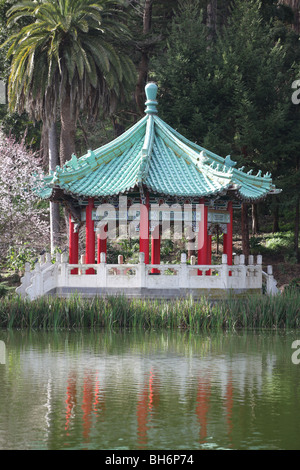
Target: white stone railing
pixel 47 277
pixel 269 283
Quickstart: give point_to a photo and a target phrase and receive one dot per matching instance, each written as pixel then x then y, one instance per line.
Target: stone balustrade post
pixel 271 283
pixel 225 271
pixel 242 272
pixel 64 272
pixel 48 259
pixel 183 272
pixel 259 270
pixel 38 278
pixel 101 271
pixel 142 275
pixel 25 281
pixel 236 260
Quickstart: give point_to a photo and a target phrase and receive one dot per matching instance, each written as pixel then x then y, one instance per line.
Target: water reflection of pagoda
pixel 87 399
pixel 135 395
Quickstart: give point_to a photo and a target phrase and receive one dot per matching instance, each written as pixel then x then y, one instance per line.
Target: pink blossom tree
pixel 24 220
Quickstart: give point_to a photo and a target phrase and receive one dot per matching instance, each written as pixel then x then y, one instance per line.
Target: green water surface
pixel 169 390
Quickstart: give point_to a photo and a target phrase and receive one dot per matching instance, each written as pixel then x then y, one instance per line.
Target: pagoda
pixel 151 167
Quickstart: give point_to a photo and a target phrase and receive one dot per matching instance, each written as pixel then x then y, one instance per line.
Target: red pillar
pixel 203 236
pixel 90 236
pixel 155 248
pixel 227 237
pixel 73 245
pixel 101 245
pixel 144 228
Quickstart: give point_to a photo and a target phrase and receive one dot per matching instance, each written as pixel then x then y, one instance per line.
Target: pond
pixel 131 390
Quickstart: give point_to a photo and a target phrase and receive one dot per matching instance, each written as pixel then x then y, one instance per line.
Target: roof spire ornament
pixel 151 92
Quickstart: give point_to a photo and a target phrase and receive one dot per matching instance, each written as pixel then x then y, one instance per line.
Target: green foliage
pixel 64 46
pixel 17 257
pixel 276 245
pixel 3 290
pixel 183 73
pixel 295 283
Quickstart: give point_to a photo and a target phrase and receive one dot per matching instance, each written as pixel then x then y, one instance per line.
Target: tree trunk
pixel 245 232
pixel 255 227
pixel 143 66
pixel 276 217
pixel 294 5
pixel 296 240
pixel 54 206
pixel 68 129
pixel 44 146
pixel 211 22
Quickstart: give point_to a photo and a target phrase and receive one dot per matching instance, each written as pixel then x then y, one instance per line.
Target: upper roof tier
pixel 153 155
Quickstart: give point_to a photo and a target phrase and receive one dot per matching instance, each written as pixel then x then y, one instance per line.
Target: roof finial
pixel 151 91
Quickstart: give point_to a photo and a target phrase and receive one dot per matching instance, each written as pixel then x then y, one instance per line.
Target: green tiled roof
pixel 153 154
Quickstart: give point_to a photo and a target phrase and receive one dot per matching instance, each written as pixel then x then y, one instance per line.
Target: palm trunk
pixel 54 206
pixel 68 129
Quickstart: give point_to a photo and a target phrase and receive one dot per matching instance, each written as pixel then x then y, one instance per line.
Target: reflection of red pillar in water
pixel 87 404
pixel 203 407
pixel 99 403
pixel 148 401
pixel 229 403
pixel 142 417
pixel 153 391
pixel 71 400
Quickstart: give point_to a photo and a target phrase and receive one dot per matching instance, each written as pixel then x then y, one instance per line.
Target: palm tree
pixel 65 59
pixel 68 58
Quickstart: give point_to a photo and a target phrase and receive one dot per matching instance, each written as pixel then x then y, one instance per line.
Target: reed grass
pixel 257 311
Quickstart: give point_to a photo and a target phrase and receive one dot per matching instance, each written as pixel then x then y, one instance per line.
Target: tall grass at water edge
pixel 257 311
